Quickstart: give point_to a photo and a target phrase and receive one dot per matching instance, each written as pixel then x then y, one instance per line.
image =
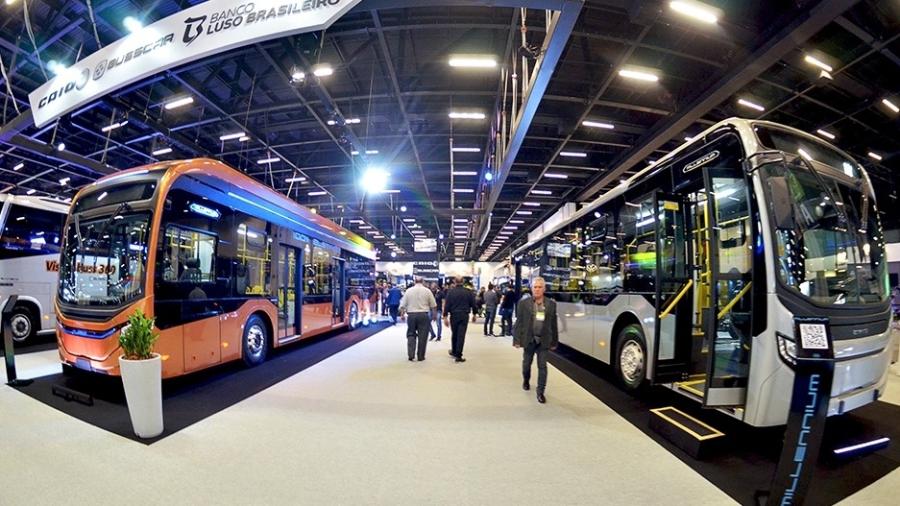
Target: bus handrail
pixel 677 298
pixel 734 301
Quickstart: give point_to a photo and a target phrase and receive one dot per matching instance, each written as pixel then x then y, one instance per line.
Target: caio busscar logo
pixel 192 23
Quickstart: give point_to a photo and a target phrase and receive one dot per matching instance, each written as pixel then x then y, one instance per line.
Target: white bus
pixel 29 261
pixel 690 273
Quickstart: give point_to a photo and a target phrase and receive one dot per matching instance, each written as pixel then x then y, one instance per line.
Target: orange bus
pixel 228 267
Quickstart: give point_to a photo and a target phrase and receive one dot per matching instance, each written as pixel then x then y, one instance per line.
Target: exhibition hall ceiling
pixel 383 88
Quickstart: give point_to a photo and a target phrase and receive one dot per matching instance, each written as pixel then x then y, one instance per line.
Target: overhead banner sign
pixel 427 267
pixel 205 29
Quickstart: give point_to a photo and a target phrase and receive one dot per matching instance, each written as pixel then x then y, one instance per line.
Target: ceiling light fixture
pixel 463 190
pixel 639 74
pixel 466 115
pixel 466 150
pixel 374 180
pixel 554 175
pixel 244 138
pixel 524 213
pixel 31 192
pixel 295 179
pixel 61 146
pixel 753 105
pixel 517 222
pixel 573 154
pixel 402 209
pixel 114 126
pixel 317 193
pixel 322 70
pixel 696 10
pixel 542 192
pixel 812 60
pixel 235 135
pixel 598 124
pixel 161 151
pixel 875 156
pixel 825 133
pixel 18 165
pixel 64 181
pixel 531 204
pixel 464 173
pixel 473 61
pixel 178 102
pixel 264 161
pixel 132 24
pixel 890 105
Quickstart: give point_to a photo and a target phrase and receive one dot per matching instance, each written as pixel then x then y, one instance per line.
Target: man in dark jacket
pixel 536 333
pixel 459 303
pixel 393 301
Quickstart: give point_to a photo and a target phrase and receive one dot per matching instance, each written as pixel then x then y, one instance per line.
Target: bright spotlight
pixel 489 176
pixel 402 209
pixel 374 180
pixel 132 24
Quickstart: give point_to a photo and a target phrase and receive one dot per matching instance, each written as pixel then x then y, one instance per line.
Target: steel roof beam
pixel 554 44
pixel 770 49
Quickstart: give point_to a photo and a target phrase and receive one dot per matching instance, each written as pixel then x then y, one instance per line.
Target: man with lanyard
pixel 536 332
pixel 417 305
pixel 459 303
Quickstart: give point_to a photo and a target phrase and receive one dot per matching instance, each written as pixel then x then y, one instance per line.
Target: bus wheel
pixel 631 358
pixel 22 324
pixel 353 316
pixel 255 341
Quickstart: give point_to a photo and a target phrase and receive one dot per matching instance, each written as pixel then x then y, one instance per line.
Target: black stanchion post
pixel 8 351
pixel 814 370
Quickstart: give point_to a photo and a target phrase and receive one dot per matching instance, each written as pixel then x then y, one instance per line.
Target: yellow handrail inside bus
pixel 677 298
pixel 734 301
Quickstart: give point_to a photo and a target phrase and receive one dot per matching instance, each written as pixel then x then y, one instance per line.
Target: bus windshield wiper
pixel 841 212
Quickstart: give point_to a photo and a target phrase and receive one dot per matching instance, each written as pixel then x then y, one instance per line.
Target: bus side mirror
pixel 782 208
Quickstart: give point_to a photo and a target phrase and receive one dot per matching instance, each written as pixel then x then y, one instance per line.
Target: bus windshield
pixel 104 260
pixel 827 236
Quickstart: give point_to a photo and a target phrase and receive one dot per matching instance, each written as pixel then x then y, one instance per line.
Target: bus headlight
pixel 787 349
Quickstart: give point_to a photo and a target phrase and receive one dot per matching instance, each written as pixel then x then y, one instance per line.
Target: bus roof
pixel 258 195
pixel 45 203
pixel 742 125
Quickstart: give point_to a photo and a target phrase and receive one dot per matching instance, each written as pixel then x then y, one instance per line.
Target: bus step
pixel 693 386
pixel 695 437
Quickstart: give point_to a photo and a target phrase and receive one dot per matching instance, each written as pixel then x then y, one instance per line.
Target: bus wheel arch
pixel 25 321
pixel 256 339
pixel 629 353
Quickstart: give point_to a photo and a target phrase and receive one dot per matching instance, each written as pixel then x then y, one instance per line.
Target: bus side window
pixel 252 269
pixel 639 248
pixel 30 232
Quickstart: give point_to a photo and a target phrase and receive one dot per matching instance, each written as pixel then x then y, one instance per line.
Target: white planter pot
pixel 142 380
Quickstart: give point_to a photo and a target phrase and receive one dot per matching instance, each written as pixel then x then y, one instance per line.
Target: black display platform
pixel 192 398
pixel 750 455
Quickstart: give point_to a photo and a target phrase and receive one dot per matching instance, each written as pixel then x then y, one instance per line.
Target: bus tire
pixel 22 322
pixel 353 316
pixel 631 358
pixel 255 341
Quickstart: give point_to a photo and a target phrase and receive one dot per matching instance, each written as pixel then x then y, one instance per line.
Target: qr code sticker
pixel 812 336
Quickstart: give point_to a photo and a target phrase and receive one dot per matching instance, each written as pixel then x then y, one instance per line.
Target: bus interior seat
pixel 192 272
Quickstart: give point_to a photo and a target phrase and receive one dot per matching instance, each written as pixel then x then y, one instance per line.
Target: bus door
pixel 338 290
pixel 727 322
pixel 290 292
pixel 674 289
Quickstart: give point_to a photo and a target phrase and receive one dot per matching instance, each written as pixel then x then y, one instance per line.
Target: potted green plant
pixel 141 371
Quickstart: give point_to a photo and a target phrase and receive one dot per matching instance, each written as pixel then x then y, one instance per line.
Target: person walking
pixel 417 305
pixel 507 306
pixel 536 333
pixel 439 297
pixel 459 303
pixel 393 301
pixel 479 302
pixel 491 300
